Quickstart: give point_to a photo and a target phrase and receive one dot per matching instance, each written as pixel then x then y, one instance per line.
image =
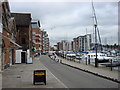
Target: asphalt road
pixel 73 78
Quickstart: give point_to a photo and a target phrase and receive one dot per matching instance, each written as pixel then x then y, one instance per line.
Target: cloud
pixel 67 20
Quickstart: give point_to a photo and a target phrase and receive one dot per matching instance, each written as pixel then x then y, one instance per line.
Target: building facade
pixel 8 37
pixel 45 43
pixel 24 35
pixel 81 43
pixel 0 36
pixel 64 45
pixel 73 45
pixel 36 38
pixel 24 29
pixel 58 46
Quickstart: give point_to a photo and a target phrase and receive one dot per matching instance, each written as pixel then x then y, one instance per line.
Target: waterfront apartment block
pixel 81 43
pixel 36 37
pixel 64 45
pixel 45 43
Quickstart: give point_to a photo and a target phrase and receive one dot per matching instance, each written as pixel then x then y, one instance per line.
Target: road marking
pixel 55 77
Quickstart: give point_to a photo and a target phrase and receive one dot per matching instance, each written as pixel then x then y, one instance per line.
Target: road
pixel 73 78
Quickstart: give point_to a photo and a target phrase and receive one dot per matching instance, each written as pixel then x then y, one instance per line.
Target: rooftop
pixel 35 23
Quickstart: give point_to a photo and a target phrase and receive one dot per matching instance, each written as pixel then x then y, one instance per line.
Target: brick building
pixel 24 34
pixel 9 31
pixel 23 25
pixel 36 37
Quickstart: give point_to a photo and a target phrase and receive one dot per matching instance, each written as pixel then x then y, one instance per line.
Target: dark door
pixel 23 57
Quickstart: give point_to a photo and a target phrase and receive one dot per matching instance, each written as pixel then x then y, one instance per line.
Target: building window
pixel 33 32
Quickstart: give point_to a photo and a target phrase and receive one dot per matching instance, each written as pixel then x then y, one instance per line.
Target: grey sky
pixel 67 20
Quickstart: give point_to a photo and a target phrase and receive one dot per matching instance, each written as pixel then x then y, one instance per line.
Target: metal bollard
pixel 61 61
pixel 86 60
pixel 111 64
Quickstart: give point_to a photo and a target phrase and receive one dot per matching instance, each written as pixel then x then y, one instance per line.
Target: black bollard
pixel 86 60
pixel 111 64
pixel 61 61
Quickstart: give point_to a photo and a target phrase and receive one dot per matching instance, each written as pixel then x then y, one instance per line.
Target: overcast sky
pixel 67 20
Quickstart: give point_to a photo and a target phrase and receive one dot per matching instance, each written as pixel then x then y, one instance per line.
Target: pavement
pixel 21 76
pixel 99 71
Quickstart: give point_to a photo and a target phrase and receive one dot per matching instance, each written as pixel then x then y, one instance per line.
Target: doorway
pixel 23 57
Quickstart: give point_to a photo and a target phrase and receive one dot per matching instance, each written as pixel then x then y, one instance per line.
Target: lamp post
pixel 96 60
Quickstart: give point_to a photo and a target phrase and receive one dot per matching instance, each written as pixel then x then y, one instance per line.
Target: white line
pixel 55 77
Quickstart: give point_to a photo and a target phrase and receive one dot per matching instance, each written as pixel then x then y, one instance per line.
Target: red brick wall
pixel 23 34
pixel 38 31
pixel 6 49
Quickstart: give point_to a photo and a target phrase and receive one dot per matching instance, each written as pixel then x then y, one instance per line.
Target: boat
pixel 79 57
pixel 70 54
pixel 100 56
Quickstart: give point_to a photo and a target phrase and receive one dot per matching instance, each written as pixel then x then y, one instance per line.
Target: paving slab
pixel 21 76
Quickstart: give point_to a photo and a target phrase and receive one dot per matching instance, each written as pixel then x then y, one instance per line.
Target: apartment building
pixel 45 43
pixel 36 37
pixel 81 43
pixel 64 45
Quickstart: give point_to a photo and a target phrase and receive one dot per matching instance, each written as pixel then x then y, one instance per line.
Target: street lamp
pixel 96 60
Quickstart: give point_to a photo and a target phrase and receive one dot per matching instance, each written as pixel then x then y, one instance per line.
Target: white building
pixel 65 45
pixel 82 43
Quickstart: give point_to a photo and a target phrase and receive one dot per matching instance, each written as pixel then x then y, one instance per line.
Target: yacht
pixel 100 56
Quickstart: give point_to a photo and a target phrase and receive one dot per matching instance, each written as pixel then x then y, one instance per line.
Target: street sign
pixel 39 76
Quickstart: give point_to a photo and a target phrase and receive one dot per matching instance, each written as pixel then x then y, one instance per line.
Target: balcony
pixel 38 35
pixel 37 38
pixel 37 43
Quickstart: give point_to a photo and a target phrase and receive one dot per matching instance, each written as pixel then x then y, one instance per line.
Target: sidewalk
pixel 21 76
pixel 103 72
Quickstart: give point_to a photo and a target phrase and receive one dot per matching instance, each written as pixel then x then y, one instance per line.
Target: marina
pixel 103 60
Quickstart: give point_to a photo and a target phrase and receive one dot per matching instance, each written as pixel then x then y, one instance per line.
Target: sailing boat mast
pixel 95 28
pixel 95 23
